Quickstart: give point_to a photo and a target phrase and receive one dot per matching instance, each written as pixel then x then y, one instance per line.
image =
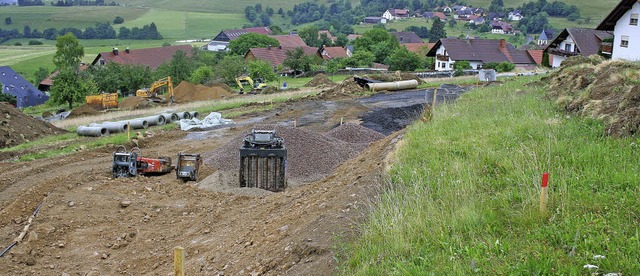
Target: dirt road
pixel 92 224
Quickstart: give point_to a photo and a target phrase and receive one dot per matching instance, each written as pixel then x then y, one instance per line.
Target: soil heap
pixel 599 89
pixel 132 103
pixel 17 128
pixel 320 80
pixel 310 155
pixel 189 92
pixel 82 110
pixel 348 88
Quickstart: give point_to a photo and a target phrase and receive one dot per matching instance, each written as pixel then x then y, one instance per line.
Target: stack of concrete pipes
pixel 105 128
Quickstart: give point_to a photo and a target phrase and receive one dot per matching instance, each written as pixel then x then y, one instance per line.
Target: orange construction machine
pixel 128 164
pixel 154 92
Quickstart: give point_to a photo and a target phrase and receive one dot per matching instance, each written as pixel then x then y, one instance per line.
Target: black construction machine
pixel 188 166
pixel 263 159
pixel 129 164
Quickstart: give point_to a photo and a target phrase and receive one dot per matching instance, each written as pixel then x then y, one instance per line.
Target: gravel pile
pixel 353 133
pixel 310 155
pixel 320 80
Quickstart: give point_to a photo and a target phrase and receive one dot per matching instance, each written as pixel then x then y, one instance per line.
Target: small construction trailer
pixel 263 161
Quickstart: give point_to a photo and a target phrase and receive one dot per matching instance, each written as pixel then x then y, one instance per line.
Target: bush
pixel 118 20
pixel 504 66
pixel 8 98
pixel 35 42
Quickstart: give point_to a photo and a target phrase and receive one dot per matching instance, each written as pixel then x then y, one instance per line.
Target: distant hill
pixel 8 2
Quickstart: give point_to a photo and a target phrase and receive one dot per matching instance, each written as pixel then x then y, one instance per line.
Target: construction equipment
pixel 256 85
pixel 129 164
pixel 263 159
pixel 154 92
pixel 102 101
pixel 188 166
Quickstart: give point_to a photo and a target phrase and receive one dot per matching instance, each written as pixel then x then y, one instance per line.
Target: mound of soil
pixel 353 133
pixel 83 110
pixel 320 80
pixel 223 86
pixel 189 92
pixel 132 103
pixel 17 128
pixel 604 90
pixel 310 155
pixel 347 88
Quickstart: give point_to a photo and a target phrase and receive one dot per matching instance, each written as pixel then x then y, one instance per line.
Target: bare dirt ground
pixel 92 224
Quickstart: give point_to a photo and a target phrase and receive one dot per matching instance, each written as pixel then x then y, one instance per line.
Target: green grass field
pixel 463 195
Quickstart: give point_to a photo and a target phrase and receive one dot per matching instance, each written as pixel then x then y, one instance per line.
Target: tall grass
pixel 463 196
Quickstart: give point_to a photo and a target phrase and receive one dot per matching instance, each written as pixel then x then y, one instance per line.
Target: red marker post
pixel 543 192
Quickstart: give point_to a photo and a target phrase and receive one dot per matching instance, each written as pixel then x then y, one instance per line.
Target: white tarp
pixel 214 119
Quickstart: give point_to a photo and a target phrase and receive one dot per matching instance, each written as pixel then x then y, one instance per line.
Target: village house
pixel 515 15
pixel 573 42
pixel 622 21
pixel 290 40
pixel 328 53
pixel 501 27
pixel 374 20
pixel 395 14
pixel 13 84
pixel 275 56
pixel 430 15
pixel 478 52
pixel 544 37
pixel 149 57
pixel 221 41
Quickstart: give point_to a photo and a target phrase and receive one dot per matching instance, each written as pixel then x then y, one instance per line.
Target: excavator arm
pixel 153 93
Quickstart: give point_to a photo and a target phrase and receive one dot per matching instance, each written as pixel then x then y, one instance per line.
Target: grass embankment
pixel 465 197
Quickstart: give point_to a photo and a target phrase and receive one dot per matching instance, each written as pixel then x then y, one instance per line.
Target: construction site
pixel 272 193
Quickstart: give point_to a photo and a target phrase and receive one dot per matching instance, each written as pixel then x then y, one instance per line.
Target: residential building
pixel 407 37
pixel 501 27
pixel 431 15
pixel 26 94
pixel 275 56
pixel 47 83
pixel 575 41
pixel 545 37
pixel 478 52
pixel 515 15
pixel 328 34
pixel 149 57
pixel 328 53
pixel 290 40
pixel 622 21
pixel 395 14
pixel 221 41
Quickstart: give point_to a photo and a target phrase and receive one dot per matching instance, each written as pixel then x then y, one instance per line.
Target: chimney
pixel 115 51
pixel 126 50
pixel 503 44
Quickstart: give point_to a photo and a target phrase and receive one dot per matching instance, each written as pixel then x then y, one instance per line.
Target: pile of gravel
pixel 353 133
pixel 310 155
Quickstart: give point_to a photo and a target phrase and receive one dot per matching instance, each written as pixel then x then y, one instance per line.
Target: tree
pixel 250 13
pixel 26 31
pixel 573 17
pixel 241 45
pixel 377 41
pixel 118 20
pixel 403 60
pixel 264 19
pixel 69 53
pixel 124 77
pixel 201 75
pixel 453 23
pixel 269 11
pixel 69 87
pixel 298 61
pixel 258 8
pixel 360 58
pixel 230 67
pixel 309 35
pixel 496 6
pixel 437 30
pixel 8 21
pixel 261 69
pixel 179 68
pixel 342 40
pixel 41 74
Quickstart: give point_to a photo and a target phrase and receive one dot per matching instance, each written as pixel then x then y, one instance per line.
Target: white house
pixel 623 22
pixel 395 14
pixel 574 42
pixel 515 15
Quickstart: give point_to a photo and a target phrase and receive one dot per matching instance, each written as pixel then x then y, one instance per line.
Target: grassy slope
pixel 465 194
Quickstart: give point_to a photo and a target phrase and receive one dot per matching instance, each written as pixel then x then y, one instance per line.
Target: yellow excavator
pixel 154 92
pixel 256 85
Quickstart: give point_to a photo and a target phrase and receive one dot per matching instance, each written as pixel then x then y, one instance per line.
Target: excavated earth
pixel 92 224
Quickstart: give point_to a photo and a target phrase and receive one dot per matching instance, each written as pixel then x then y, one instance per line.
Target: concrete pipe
pixel 184 115
pixel 94 131
pixel 154 120
pixel 194 114
pixel 115 127
pixel 168 117
pixel 175 117
pixel 137 123
pixel 392 86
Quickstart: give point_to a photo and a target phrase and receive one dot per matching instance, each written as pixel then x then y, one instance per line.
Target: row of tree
pixel 99 31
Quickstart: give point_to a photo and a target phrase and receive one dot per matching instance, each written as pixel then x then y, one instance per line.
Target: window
pixel 567 47
pixel 634 19
pixel 443 65
pixel 624 41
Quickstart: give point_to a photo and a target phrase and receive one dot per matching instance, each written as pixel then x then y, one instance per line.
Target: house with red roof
pixel 478 52
pixel 149 57
pixel 275 56
pixel 290 40
pixel 395 14
pixel 328 53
